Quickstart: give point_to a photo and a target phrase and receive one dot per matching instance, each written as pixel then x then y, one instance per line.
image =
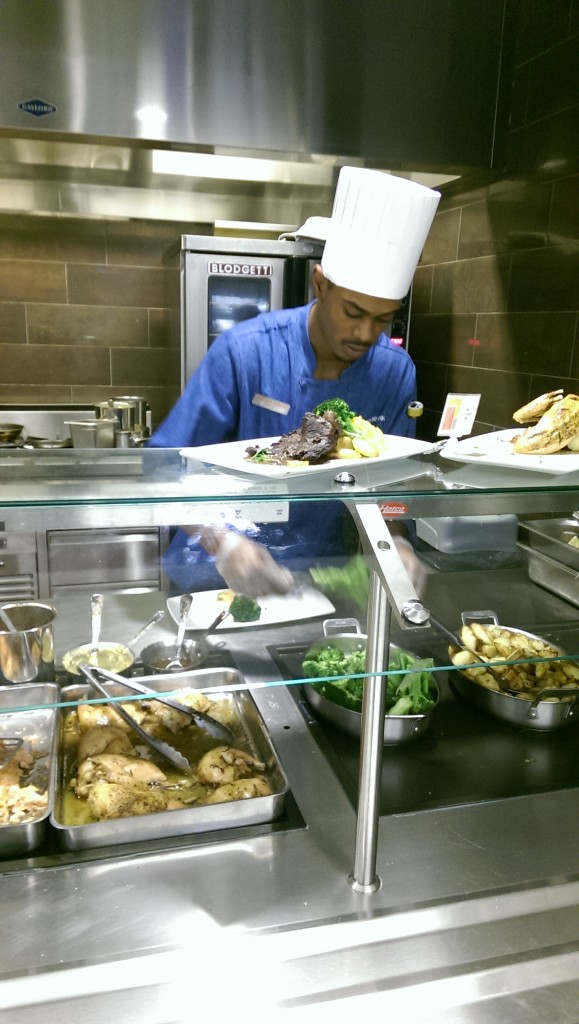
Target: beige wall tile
pixel 54 364
pixel 31 281
pixel 468 286
pixel 442 242
pixel 138 368
pixel 146 243
pixel 59 324
pixel 116 286
pixel 30 394
pixel 12 322
pixel 52 238
pixel 163 333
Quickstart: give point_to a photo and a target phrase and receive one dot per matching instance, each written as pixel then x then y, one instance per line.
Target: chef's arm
pixel 246 566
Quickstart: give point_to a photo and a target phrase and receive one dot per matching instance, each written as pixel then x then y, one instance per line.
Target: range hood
pixel 227 189
pixel 92 92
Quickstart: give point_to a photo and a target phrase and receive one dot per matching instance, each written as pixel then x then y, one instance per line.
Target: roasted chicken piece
pixel 556 428
pixel 104 739
pixel 116 768
pixel 92 715
pixel 243 789
pixel 117 800
pixel 224 765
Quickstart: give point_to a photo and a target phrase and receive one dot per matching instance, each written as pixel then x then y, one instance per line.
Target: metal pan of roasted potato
pixel 529 682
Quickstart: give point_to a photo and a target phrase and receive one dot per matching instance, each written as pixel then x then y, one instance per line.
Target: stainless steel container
pixel 253 736
pixel 141 406
pixel 27 655
pixel 105 410
pixel 155 657
pixel 126 413
pixel 539 713
pixel 555 538
pixel 553 575
pixel 115 657
pixel 397 728
pixel 37 728
pixel 97 433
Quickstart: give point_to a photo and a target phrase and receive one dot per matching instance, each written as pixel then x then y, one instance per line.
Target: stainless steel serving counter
pixel 475 921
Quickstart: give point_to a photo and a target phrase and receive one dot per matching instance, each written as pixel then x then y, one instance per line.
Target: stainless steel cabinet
pixel 110 559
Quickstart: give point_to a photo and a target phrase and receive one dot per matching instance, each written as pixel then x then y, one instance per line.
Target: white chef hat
pixel 378 228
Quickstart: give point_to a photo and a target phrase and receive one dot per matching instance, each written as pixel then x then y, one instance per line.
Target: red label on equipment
pixel 394 508
pixel 241 269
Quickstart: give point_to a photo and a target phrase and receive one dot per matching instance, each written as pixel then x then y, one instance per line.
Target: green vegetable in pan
pixel 411 694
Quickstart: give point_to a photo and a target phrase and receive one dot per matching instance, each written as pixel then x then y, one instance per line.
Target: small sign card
pixel 458 415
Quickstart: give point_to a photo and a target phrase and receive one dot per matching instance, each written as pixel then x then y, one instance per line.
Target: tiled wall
pixel 496 298
pixel 85 310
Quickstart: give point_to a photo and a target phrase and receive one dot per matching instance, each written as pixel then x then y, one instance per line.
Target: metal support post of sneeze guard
pixel 390 590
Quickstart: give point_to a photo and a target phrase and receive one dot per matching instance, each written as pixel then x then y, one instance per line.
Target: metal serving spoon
pixel 96 612
pixel 184 606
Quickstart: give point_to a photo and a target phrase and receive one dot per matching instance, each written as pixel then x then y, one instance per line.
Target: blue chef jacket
pixel 257 380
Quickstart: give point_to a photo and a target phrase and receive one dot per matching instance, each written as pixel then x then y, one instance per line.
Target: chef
pixel 261 376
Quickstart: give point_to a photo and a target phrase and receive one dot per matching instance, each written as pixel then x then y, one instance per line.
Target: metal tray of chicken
pixel 158 809
pixel 556 538
pixel 27 779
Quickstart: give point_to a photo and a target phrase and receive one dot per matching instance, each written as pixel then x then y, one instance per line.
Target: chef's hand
pixel 246 567
pixel 413 565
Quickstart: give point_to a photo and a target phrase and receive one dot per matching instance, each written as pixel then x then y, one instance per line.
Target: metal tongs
pixel 220 731
pixel 92 675
pixel 159 746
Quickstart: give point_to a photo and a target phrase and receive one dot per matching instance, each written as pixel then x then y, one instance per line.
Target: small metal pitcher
pixel 27 655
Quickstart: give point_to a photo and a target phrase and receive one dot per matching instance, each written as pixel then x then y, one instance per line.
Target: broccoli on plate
pixel 244 609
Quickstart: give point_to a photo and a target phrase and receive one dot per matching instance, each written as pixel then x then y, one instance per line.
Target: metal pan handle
pixel 554 692
pixel 480 616
pixel 332 626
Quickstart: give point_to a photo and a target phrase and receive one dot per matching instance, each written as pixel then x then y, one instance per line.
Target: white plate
pixel 307 603
pixel 231 456
pixel 496 449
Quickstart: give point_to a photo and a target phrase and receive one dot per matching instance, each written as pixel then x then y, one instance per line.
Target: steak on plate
pixel 312 442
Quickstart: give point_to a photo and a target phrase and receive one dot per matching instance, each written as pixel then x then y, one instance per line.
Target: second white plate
pixel 496 449
pixel 307 603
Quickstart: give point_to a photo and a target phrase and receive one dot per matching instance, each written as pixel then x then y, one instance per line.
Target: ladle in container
pixel 96 611
pixel 176 663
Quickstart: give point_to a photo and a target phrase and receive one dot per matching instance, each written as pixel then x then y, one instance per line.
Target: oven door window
pixel 233 299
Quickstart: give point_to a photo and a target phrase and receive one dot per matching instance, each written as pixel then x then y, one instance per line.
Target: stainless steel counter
pixel 475 921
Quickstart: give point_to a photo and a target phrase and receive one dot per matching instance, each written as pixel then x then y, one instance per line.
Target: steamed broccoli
pixel 413 694
pixel 409 694
pixel 341 410
pixel 244 609
pixel 331 661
